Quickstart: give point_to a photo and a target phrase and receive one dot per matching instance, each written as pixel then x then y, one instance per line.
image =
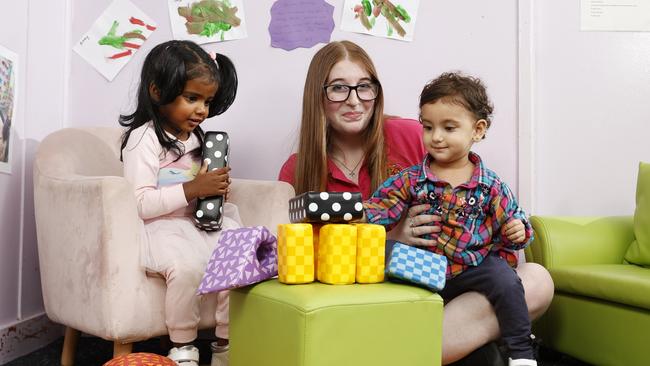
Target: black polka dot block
pixel 326 207
pixel 209 210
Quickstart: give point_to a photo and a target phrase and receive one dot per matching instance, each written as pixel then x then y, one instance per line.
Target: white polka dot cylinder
pixel 326 207
pixel 337 254
pixel 209 210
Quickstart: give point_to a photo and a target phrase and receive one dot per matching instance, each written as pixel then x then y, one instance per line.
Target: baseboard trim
pixel 26 336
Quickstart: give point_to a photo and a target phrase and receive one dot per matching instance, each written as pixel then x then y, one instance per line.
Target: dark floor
pixel 94 352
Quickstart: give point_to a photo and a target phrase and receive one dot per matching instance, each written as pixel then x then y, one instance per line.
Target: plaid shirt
pixel 472 213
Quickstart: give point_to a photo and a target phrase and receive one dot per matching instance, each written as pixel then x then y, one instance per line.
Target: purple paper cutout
pixel 243 256
pixel 300 23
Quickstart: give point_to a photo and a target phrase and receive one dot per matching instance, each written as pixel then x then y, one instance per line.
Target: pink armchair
pixel 88 234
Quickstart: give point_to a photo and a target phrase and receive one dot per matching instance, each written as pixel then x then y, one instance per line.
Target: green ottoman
pixel 385 324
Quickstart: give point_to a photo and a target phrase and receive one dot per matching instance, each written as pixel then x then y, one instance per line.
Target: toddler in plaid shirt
pixel 482 225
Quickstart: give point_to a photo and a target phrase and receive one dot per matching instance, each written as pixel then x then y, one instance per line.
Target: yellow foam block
pixel 295 253
pixel 337 254
pixel 371 246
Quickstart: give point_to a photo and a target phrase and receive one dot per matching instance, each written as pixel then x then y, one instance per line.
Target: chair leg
pixel 120 349
pixel 69 346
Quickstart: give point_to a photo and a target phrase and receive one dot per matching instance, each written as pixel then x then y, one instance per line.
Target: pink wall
pixel 592 114
pixel 11 185
pixel 35 30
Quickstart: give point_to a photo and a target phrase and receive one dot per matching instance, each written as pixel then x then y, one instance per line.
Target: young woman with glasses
pixel 346 143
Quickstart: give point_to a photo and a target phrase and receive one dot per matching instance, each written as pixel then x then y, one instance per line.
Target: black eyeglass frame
pixel 350 88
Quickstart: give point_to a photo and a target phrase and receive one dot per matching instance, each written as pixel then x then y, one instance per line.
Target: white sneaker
pixel 220 355
pixel 521 362
pixel 184 356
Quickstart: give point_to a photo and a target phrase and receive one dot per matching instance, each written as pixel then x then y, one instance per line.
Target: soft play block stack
pixel 209 210
pixel 337 254
pixel 344 252
pixel 371 243
pixel 326 207
pixel 295 253
pixel 418 266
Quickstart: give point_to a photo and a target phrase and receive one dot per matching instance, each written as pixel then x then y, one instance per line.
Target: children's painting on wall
pixel 8 96
pixel 206 21
pixel 114 37
pixel 381 18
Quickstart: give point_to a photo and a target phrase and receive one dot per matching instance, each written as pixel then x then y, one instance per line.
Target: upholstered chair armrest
pixel 579 240
pixel 262 202
pixel 88 241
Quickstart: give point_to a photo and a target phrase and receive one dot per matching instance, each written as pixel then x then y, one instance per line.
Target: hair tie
pixel 213 55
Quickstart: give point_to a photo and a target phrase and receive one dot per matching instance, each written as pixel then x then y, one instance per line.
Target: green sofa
pixel 601 309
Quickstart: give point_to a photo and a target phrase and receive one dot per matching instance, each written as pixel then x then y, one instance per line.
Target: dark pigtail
pixel 227 86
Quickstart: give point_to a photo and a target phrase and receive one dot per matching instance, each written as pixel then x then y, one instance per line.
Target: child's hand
pixel 205 184
pixel 514 230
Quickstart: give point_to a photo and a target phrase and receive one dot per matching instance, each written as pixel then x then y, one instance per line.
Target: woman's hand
pixel 206 184
pixel 415 224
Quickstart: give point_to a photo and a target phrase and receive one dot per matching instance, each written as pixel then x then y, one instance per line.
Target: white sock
pixel 217 348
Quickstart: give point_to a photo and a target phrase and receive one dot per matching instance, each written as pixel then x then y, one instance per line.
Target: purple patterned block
pixel 243 256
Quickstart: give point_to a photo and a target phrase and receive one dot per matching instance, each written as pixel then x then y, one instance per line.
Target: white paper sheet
pixel 393 19
pixel 115 37
pixel 615 15
pixel 198 30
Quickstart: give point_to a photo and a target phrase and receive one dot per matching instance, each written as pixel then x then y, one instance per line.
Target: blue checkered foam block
pixel 418 266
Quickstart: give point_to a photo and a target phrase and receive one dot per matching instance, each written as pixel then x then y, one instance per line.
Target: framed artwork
pixel 8 102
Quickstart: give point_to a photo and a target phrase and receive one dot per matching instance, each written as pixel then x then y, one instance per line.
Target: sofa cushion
pixel 639 251
pixel 621 283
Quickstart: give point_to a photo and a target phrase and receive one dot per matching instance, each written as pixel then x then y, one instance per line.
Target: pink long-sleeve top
pixel 157 175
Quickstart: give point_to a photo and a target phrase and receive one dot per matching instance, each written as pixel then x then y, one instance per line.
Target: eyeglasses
pixel 341 92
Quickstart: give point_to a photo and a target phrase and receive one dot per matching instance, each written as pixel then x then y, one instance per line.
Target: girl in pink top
pixel 346 143
pixel 180 86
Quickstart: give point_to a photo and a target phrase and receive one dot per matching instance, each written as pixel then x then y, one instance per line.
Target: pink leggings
pixel 182 303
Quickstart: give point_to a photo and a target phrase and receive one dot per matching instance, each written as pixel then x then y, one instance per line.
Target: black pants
pixel 495 279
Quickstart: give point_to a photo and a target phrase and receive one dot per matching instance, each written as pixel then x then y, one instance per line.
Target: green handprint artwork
pixel 209 17
pixel 368 11
pixel 122 42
